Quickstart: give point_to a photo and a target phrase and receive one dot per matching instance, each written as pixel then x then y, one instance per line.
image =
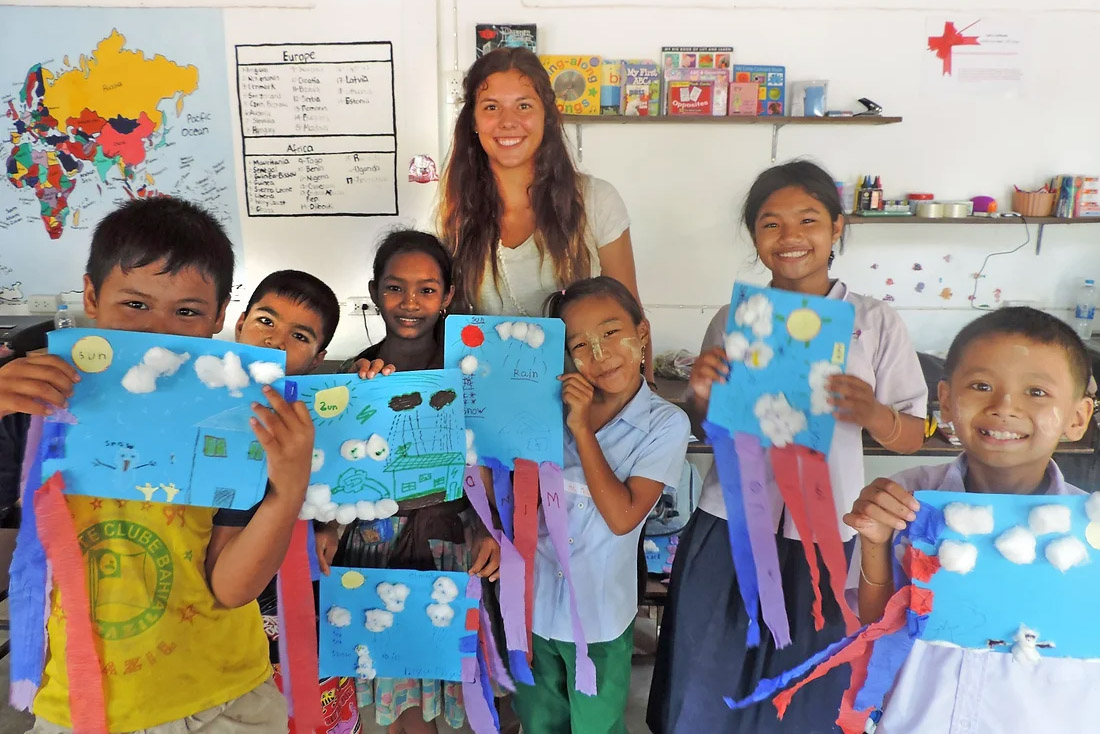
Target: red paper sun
pixel 472 336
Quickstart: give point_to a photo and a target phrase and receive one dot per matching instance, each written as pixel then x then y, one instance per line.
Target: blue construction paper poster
pixel 997 596
pixel 782 346
pixel 399 437
pixel 510 369
pixel 659 550
pixel 143 424
pixel 396 623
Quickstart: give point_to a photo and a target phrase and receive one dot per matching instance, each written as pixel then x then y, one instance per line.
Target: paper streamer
pixel 479 706
pixel 28 594
pixel 526 491
pixel 87 700
pixel 761 524
pixel 552 488
pixel 298 633
pixel 729 474
pixel 505 498
pixel 512 586
pixel 496 664
pixel 787 478
pixel 818 493
pixel 311 551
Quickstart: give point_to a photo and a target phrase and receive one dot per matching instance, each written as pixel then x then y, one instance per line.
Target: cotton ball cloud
pixel 504 330
pixel 378 620
pixel 157 362
pixel 737 346
pixel 385 508
pixel 1049 519
pixel 759 356
pixel 441 615
pixel 1065 553
pixel 308 512
pixel 958 557
pixel 779 421
pixel 393 595
pixel 444 590
pixel 225 372
pixel 346 514
pixel 1092 507
pixel 820 372
pixel 966 519
pixel 468 364
pixel 365 511
pixel 377 447
pixel 339 617
pixel 471 458
pixel 1017 544
pixel 755 313
pixel 327 511
pixel 519 330
pixel 536 337
pixel 318 494
pixel 469 438
pixel 364 666
pixel 265 373
pixel 353 449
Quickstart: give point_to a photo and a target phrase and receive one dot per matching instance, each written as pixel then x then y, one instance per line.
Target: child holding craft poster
pixel 1014 384
pixel 412 287
pixel 794 216
pixel 624 445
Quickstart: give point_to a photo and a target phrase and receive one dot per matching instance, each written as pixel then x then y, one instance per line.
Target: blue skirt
pixel 701 654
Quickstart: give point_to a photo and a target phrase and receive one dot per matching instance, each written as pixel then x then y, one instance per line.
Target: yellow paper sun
pixel 803 324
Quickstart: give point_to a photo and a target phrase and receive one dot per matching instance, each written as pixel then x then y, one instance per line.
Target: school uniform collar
pixel 637 412
pixel 838 291
pixel 953 481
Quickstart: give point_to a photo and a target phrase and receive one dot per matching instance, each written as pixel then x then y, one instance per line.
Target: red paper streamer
pixel 858 654
pixel 787 478
pixel 919 565
pixel 56 531
pixel 525 487
pixel 300 667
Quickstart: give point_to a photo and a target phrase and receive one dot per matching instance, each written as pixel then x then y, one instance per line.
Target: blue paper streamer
pixel 486 686
pixel 467 644
pixel 914 623
pixel 768 687
pixel 887 657
pixel 311 553
pixel 519 667
pixel 928 526
pixel 504 496
pixel 27 582
pixel 729 472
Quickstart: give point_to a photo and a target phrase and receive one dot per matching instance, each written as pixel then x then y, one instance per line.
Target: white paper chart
pixel 318 123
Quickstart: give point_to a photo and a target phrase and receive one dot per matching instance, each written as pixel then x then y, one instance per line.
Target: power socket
pixel 361 304
pixel 43 303
pixel 452 87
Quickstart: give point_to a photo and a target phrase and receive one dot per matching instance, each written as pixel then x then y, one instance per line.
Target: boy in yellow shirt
pixel 172 588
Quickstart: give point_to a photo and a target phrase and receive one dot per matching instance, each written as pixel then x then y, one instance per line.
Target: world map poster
pixel 97 107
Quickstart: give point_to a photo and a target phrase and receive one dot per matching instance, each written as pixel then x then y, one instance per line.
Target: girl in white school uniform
pixel 794 216
pixel 623 446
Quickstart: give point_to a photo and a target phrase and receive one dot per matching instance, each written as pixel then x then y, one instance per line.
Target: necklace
pixel 517 306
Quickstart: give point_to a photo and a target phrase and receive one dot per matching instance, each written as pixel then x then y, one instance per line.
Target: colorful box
pixel 641 88
pixel 576 82
pixel 491 36
pixel 611 87
pixel 691 98
pixel 744 97
pixel 773 85
pixel 696 57
pixel 718 79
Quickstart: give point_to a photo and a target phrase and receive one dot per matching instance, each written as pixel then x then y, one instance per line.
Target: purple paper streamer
pixel 479 706
pixel 505 496
pixel 766 688
pixel 496 664
pixel 512 576
pixel 761 529
pixel 729 474
pixel 552 488
pixel 28 583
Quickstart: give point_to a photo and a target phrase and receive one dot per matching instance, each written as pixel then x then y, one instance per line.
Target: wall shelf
pixel 776 122
pixel 1041 222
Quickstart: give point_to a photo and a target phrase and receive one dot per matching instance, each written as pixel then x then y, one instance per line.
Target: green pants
pixel 554 706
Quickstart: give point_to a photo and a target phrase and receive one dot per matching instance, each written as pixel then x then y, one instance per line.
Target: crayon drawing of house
pixel 425 474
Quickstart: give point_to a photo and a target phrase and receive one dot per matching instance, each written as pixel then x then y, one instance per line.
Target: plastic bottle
pixel 63 319
pixel 1085 309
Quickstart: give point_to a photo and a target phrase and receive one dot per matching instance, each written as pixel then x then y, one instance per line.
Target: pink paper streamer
pixel 552 488
pixel 758 516
pixel 512 569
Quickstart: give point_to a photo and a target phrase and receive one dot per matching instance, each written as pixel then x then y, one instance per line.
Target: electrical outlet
pixel 361 304
pixel 452 86
pixel 43 303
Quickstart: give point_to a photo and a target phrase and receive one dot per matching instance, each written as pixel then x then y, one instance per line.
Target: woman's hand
pixel 368 369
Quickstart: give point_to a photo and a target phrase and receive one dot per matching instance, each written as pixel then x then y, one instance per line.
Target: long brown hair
pixel 469 216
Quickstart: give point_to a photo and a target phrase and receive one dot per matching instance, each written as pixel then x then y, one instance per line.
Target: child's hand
pixel 853 400
pixel 327 537
pixel 36 385
pixel 368 369
pixel 882 507
pixel 709 368
pixel 286 433
pixel 487 561
pixel 577 394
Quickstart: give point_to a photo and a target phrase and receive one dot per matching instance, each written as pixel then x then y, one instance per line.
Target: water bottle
pixel 63 319
pixel 1085 309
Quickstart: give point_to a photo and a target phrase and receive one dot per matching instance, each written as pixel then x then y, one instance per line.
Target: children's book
pixel 641 88
pixel 717 79
pixel 743 98
pixel 696 57
pixel 773 84
pixel 491 36
pixel 611 87
pixel 690 98
pixel 576 82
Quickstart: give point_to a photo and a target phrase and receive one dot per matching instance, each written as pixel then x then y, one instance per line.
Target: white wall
pixel 684 185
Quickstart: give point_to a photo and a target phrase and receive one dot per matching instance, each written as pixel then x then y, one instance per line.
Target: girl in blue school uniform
pixel 623 446
pixel 794 216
